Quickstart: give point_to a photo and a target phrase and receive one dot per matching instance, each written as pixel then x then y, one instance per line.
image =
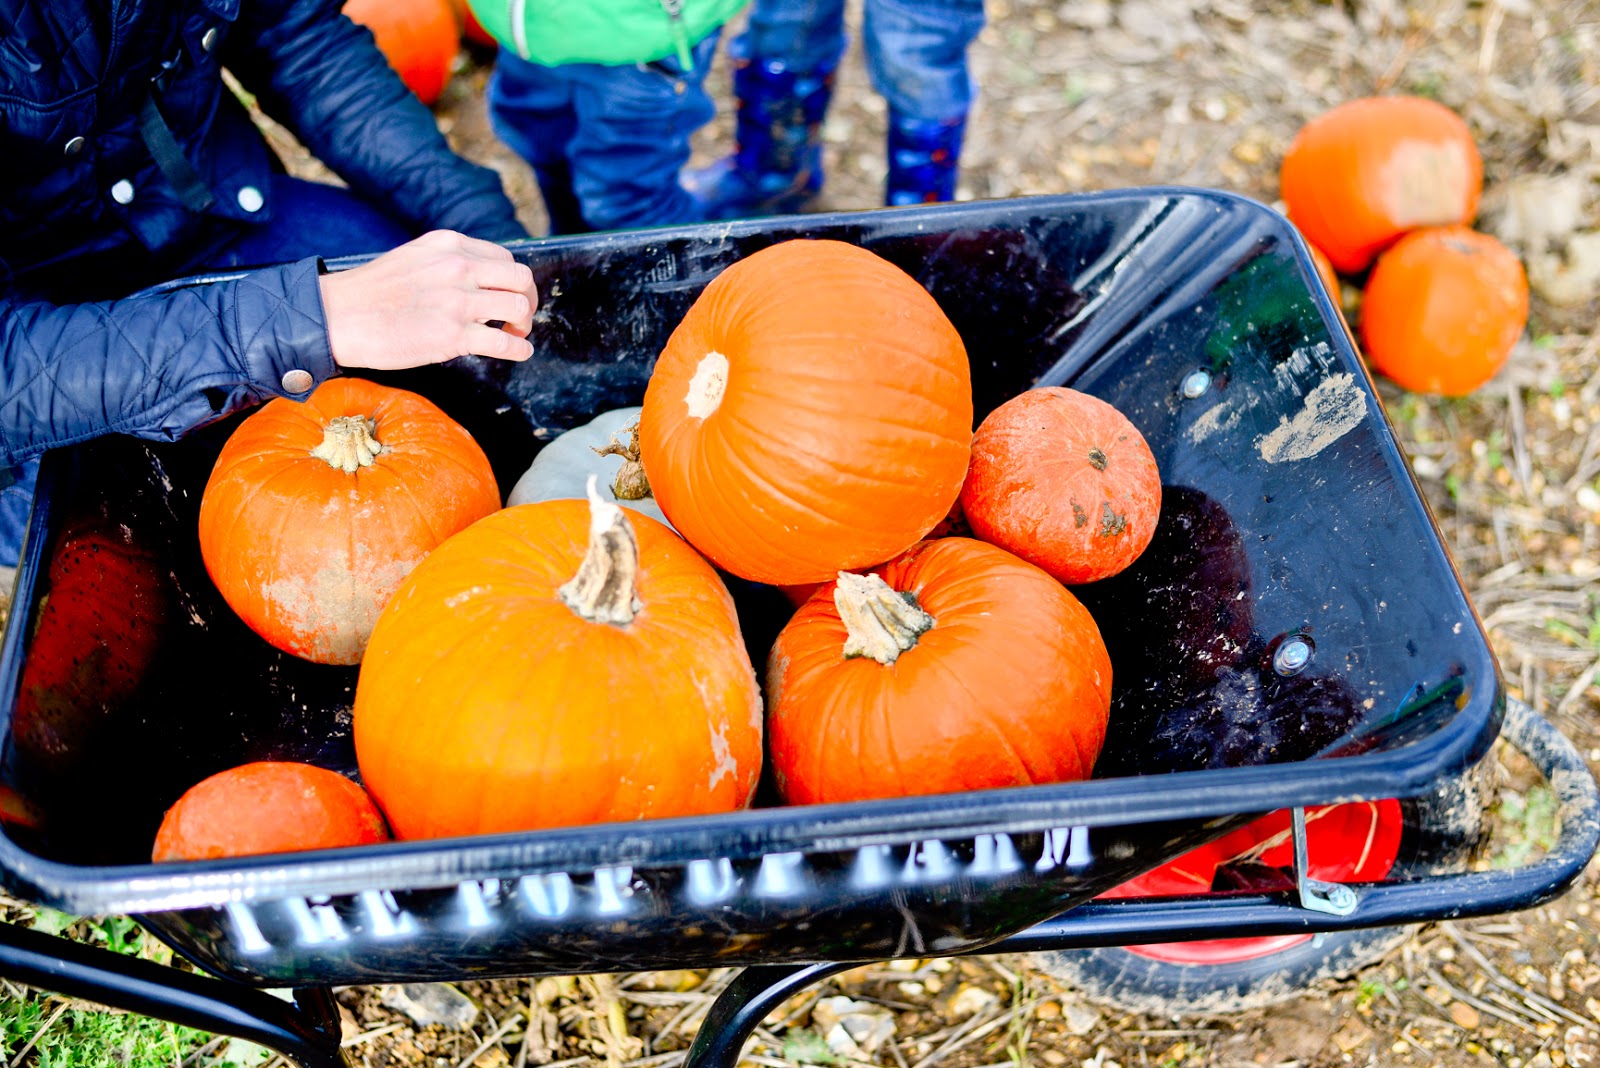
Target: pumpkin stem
pixel 879 622
pixel 631 484
pixel 348 442
pixel 603 590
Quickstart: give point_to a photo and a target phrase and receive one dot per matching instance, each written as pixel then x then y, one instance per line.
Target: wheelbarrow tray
pixel 1288 515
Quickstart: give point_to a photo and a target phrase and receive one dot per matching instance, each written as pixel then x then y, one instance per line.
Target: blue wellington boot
pixel 777 168
pixel 923 159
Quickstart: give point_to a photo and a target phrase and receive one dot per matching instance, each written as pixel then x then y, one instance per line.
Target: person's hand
pixel 430 300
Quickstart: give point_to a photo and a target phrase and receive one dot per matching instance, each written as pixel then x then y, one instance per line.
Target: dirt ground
pixel 1093 94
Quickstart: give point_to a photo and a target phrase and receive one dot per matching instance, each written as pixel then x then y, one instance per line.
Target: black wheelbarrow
pixel 1296 637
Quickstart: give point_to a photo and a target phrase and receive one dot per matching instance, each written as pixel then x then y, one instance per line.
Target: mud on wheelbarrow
pixel 1296 636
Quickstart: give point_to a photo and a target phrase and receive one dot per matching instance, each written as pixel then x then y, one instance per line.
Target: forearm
pixel 160 365
pixel 321 76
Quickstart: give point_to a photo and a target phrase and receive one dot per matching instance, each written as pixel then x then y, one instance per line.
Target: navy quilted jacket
pixel 75 78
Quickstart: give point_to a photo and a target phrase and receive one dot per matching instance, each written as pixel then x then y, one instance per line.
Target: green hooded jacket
pixel 611 32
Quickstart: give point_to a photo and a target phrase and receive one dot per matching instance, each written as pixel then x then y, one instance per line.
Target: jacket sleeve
pixel 155 365
pixel 322 76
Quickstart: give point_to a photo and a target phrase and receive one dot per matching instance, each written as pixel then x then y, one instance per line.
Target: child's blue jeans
pixel 616 136
pixel 916 50
pixel 309 219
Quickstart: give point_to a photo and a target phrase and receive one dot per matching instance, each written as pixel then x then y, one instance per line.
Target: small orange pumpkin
pixel 558 663
pixel 1065 481
pixel 1358 176
pixel 268 807
pixel 954 667
pixel 812 413
pixel 316 510
pixel 1443 309
pixel 419 38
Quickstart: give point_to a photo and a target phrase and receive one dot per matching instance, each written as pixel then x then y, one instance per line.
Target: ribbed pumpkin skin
pixel 1361 174
pixel 1065 481
pixel 485 704
pixel 842 434
pixel 1011 687
pixel 1443 309
pixel 306 553
pixel 268 807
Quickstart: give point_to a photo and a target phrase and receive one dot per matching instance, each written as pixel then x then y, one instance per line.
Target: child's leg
pixel 916 54
pixel 632 139
pixel 531 110
pixel 782 81
pixel 799 35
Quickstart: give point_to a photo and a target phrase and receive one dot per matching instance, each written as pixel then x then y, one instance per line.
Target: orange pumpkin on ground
pixel 1065 481
pixel 1358 176
pixel 419 38
pixel 955 667
pixel 268 807
pixel 316 510
pixel 812 413
pixel 558 663
pixel 1443 309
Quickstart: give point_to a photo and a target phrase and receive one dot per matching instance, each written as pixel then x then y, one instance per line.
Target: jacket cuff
pixel 283 329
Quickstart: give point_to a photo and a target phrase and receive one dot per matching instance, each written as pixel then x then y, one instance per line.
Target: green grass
pixel 61 1033
pixel 807 1047
pixel 1567 632
pixel 82 1038
pixel 1530 826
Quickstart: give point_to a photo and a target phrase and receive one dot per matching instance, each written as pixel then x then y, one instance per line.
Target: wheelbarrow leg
pixel 307 1032
pixel 746 1001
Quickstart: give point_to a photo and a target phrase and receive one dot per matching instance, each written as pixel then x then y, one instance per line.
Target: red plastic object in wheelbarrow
pixel 1350 843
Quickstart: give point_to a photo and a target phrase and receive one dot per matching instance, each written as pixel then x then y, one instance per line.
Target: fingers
pixel 482 340
pixel 455 241
pixel 473 246
pixel 508 275
pixel 439 296
pixel 513 310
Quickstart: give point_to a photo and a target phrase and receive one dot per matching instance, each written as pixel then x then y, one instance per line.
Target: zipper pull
pixel 680 33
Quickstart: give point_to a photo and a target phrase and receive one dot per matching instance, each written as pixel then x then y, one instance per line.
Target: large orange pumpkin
pixel 315 511
pixel 1443 309
pixel 419 38
pixel 1065 481
pixel 956 666
pixel 557 663
pixel 811 413
pixel 268 807
pixel 1358 176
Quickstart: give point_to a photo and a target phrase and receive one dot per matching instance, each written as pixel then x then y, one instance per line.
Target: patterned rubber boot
pixel 923 159
pixel 777 168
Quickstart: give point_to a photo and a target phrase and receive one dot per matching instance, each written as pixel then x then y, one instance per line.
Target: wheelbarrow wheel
pixel 1442 831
